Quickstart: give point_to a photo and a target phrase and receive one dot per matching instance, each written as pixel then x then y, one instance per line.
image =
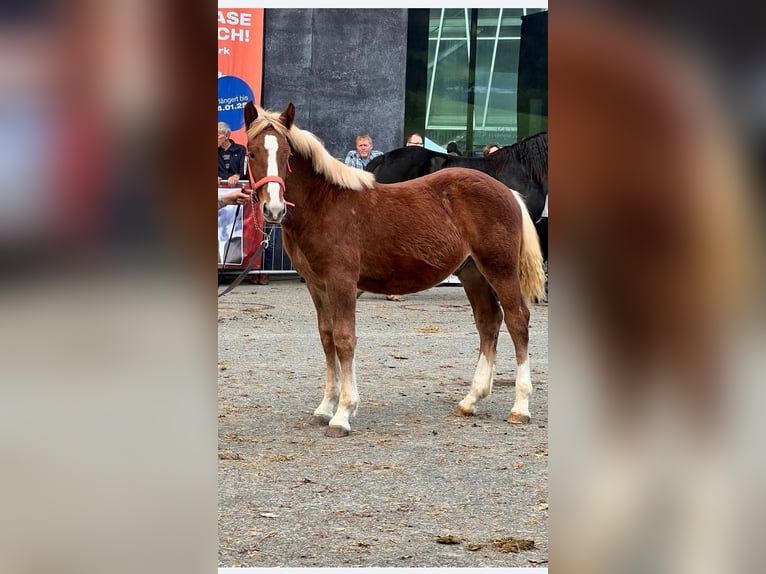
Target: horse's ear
pixel 288 116
pixel 251 113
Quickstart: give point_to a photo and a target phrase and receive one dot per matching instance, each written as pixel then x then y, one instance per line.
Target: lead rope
pixel 265 237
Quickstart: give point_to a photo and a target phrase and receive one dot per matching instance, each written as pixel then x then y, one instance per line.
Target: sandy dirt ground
pixel 413 485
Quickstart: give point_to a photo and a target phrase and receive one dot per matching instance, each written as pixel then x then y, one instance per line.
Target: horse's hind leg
pixel 324 412
pixel 516 315
pixel 488 317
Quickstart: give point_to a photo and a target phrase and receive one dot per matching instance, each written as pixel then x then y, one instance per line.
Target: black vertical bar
pixel 471 82
pixel 416 82
pixel 532 97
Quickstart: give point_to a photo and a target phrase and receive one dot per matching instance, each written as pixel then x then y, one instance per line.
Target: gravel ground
pixel 413 485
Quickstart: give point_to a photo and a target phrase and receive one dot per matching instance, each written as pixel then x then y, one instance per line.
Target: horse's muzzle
pixel 271 215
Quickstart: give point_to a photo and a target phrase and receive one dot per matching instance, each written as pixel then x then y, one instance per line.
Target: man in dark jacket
pixel 231 157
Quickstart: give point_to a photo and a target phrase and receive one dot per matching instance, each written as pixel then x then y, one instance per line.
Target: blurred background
pixel 656 322
pixel 108 425
pixel 108 349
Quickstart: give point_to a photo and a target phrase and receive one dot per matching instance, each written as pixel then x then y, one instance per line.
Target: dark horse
pixel 522 166
pixel 346 232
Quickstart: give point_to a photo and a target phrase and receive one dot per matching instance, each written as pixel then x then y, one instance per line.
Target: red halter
pixel 269 179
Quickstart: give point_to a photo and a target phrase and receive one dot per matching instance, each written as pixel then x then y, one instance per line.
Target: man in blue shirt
pixel 361 156
pixel 231 157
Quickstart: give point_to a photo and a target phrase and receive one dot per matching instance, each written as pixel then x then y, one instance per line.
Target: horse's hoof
pixel 518 419
pixel 336 432
pixel 320 420
pixel 460 412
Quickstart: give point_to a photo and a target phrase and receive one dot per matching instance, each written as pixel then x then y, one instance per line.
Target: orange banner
pixel 240 64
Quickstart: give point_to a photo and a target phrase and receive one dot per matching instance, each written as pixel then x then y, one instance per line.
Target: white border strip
pixel 397 570
pixel 393 4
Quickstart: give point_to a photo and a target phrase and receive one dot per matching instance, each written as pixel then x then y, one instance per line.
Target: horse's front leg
pixel 324 412
pixel 344 334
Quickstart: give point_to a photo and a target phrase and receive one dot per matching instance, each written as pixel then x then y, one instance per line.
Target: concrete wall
pixel 343 69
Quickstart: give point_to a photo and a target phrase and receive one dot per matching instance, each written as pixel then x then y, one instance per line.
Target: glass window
pixel 455 23
pixel 450 84
pixel 510 27
pixel 498 36
pixel 502 99
pixel 487 23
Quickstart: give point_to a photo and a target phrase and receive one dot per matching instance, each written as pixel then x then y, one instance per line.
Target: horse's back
pixel 407 163
pixel 456 198
pixel 414 234
pixel 464 178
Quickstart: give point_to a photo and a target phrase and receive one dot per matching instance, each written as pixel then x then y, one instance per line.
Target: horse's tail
pixel 531 271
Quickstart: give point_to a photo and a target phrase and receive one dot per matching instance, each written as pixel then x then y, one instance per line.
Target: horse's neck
pixel 300 172
pixel 303 186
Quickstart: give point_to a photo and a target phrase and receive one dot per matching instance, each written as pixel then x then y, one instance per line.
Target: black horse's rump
pixel 522 166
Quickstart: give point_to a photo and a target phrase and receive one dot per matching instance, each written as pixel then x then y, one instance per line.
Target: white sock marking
pixel 523 388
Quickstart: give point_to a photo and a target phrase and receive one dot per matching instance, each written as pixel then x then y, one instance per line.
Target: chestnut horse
pixel 346 232
pixel 522 166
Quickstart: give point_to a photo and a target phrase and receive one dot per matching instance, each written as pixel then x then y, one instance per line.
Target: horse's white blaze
pixel 274 205
pixel 523 388
pixel 481 385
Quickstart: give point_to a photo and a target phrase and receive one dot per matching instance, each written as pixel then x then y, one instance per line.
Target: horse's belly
pixel 407 275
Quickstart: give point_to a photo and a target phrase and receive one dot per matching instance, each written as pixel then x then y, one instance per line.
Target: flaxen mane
pixel 308 146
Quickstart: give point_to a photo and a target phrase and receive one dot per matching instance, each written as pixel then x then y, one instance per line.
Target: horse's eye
pixel 252 155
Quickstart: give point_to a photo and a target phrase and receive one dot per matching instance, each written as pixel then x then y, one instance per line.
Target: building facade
pixel 451 74
pixel 470 76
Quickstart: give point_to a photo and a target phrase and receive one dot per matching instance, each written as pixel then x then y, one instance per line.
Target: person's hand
pixel 233 179
pixel 237 197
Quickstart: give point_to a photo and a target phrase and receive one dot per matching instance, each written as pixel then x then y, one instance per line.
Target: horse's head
pixel 268 152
